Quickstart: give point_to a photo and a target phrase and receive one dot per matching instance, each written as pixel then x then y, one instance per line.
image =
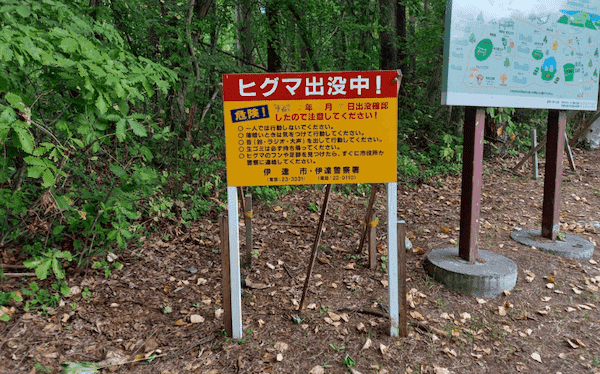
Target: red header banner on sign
pixel 310 86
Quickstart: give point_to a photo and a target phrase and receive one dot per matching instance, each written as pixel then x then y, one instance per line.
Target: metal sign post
pixel 234 263
pixel 392 205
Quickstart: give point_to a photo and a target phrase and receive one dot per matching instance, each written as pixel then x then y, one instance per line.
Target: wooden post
pixel 225 273
pixel 248 224
pixel 557 122
pixel 534 157
pixel 372 242
pixel 316 244
pixel 402 278
pixel 471 183
pixel 569 154
pixel 241 193
pixel 374 189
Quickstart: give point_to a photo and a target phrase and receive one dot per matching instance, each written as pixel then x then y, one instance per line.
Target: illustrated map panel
pixel 522 54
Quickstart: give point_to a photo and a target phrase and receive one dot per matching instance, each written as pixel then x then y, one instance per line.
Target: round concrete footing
pixel 487 279
pixel 572 246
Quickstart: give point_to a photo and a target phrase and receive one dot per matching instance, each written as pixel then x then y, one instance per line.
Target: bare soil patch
pixel 548 323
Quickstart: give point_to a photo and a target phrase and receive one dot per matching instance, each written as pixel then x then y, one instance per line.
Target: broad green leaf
pixel 64 254
pixel 57 268
pixel 121 129
pixel 57 230
pixel 35 171
pixel 69 45
pixel 48 178
pixel 15 101
pixel 34 161
pixel 30 47
pixel 25 139
pixel 63 202
pixel 6 52
pixel 23 11
pixel 41 271
pixel 148 86
pixel 138 128
pixel 101 104
pixel 77 142
pixel 118 170
pixel 34 287
pixel 147 153
pixel 65 289
pixel 33 262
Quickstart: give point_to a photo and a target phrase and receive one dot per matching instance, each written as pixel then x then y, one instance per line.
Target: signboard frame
pixel 392 205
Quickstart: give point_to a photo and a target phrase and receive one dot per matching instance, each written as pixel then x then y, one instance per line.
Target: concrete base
pixel 572 246
pixel 489 279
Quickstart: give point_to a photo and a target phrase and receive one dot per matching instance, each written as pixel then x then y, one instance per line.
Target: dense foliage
pixel 110 114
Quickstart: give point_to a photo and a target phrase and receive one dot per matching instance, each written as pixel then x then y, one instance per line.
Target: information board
pixel 311 128
pixel 522 54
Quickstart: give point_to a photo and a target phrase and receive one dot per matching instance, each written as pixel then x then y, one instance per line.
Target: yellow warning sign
pixel 310 128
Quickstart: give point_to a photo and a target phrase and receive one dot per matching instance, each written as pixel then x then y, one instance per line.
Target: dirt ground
pixel 549 323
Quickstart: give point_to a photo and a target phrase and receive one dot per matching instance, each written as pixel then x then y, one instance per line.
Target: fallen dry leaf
pixel 361 327
pixel 536 356
pixel 440 370
pixel 367 344
pixel 196 318
pixel 416 315
pixel 383 349
pixel 317 370
pixel 501 310
pixel 450 352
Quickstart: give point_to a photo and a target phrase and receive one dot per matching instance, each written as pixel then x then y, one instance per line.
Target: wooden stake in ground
pixel 248 224
pixel 402 278
pixel 374 189
pixel 534 158
pixel 313 255
pixel 372 225
pixel 571 142
pixel 225 273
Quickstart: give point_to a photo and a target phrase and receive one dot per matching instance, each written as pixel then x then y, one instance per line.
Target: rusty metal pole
pixel 471 183
pixel 372 242
pixel 374 189
pixel 557 122
pixel 316 244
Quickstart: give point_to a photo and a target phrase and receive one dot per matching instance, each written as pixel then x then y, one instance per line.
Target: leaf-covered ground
pixel 548 323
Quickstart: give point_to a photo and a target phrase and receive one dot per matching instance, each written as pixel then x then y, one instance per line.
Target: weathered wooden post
pixel 372 224
pixel 248 224
pixel 225 273
pixel 534 157
pixel 557 122
pixel 471 183
pixel 402 278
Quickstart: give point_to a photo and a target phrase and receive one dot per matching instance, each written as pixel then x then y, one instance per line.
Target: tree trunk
pixel 401 35
pixel 244 30
pixel 389 50
pixel 273 58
